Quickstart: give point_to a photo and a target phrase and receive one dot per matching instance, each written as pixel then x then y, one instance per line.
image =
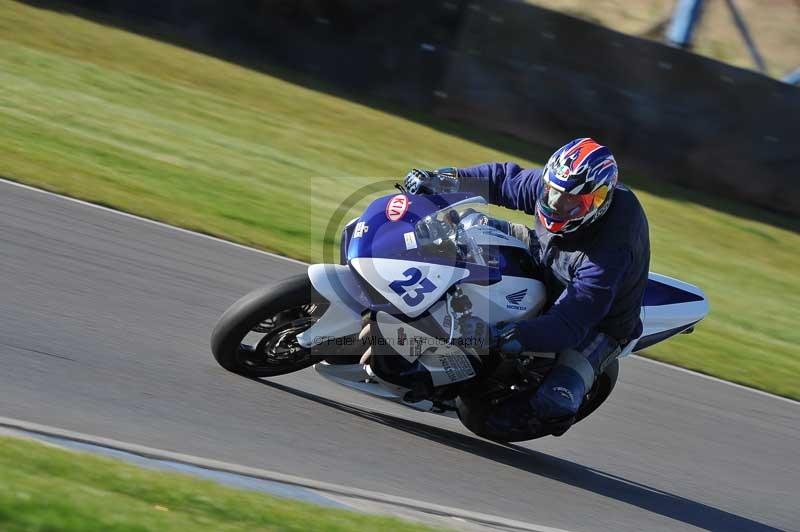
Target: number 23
pixel 414 278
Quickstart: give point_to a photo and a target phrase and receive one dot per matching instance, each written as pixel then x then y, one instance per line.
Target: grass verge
pixel 45 488
pixel 153 129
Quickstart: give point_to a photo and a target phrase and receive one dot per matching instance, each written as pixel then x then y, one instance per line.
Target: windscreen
pixel 444 231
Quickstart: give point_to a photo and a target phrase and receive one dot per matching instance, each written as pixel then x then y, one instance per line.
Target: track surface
pixel 104 326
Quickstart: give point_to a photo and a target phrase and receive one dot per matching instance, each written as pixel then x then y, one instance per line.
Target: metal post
pixel 684 19
pixel 748 39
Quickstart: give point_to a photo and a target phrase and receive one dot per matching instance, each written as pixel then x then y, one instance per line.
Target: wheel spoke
pixel 265 326
pixel 278 345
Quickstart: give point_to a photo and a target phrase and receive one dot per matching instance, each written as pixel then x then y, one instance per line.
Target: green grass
pixel 47 489
pixel 166 133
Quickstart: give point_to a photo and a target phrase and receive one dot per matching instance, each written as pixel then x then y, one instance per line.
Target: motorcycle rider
pixel 591 241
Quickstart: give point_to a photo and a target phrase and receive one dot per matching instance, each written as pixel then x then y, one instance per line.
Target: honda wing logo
pixel 514 299
pixel 517 297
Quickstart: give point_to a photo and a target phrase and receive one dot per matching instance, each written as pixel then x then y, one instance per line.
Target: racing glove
pixel 505 336
pixel 477 333
pixel 432 181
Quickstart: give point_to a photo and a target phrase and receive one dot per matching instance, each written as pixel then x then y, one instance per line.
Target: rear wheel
pixel 256 336
pixel 473 410
pixel 602 388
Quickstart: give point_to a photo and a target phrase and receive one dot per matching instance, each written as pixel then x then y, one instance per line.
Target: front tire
pixel 255 337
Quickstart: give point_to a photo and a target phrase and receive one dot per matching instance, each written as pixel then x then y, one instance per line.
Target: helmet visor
pixel 563 206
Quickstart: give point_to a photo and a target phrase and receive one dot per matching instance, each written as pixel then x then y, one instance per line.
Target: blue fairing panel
pixel 658 293
pixel 385 237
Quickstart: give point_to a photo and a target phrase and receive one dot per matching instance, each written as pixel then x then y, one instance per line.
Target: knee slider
pixel 561 393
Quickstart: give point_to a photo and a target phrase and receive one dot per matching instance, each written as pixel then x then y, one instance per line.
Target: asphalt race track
pixel 104 327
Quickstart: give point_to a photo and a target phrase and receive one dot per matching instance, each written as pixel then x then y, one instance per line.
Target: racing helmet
pixel 577 185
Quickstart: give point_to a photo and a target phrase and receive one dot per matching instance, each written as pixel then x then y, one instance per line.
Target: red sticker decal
pixel 397 207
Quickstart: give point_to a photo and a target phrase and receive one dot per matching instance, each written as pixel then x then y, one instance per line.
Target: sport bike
pixel 385 321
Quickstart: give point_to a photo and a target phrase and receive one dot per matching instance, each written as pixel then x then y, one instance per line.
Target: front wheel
pixel 257 335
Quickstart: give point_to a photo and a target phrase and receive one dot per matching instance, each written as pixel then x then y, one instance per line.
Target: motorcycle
pixel 385 320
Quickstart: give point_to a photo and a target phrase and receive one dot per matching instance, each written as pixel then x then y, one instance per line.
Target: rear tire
pixel 473 412
pixel 601 390
pixel 279 312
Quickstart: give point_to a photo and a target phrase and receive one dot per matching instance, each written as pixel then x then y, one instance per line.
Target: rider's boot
pixel 554 403
pixel 559 397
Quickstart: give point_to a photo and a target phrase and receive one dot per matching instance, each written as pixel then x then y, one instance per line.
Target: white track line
pixel 263 474
pixel 295 261
pixel 148 220
pixel 715 379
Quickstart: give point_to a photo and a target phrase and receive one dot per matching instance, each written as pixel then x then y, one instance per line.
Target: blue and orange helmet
pixel 578 183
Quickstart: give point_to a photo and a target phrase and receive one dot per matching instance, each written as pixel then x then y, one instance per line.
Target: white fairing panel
pixel 512 299
pixel 407 340
pixel 664 317
pixel 359 378
pixel 446 363
pixel 410 286
pixel 356 376
pixel 337 284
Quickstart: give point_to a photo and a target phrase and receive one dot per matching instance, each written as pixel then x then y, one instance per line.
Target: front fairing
pixel 385 252
pixel 381 237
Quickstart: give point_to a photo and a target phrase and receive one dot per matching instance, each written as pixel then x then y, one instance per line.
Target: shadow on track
pixel 653 500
